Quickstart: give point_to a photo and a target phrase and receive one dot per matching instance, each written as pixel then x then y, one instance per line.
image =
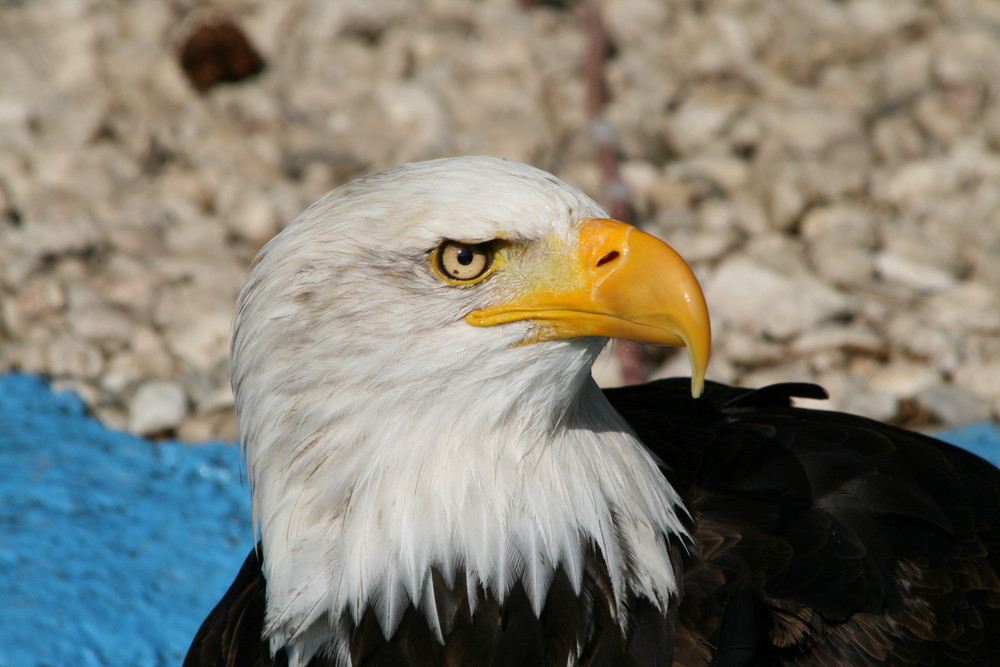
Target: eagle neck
pixel 393 485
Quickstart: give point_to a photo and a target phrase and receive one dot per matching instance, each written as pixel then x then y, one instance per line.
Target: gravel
pixel 831 169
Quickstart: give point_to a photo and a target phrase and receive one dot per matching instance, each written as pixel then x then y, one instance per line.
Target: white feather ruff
pixel 386 437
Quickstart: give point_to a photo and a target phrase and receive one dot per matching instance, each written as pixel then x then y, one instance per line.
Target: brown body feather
pixel 818 539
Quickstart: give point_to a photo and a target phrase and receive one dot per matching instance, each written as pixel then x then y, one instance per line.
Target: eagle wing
pixel 821 537
pixel 231 635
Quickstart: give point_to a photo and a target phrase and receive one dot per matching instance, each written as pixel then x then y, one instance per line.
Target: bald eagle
pixel 437 479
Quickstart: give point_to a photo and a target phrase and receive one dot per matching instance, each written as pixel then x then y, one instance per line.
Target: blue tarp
pixel 112 548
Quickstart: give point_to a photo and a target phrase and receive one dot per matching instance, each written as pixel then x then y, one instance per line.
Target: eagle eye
pixel 459 262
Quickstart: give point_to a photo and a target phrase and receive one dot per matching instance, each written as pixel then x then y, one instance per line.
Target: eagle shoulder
pixel 821 535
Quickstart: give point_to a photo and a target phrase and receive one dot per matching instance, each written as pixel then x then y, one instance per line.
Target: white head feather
pixel 385 436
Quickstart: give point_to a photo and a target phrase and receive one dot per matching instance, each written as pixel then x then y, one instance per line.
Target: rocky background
pixel 830 168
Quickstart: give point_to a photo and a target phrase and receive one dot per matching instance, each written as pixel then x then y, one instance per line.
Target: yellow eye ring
pixel 461 263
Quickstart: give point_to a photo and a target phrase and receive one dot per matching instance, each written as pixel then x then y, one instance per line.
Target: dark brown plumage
pixel 819 539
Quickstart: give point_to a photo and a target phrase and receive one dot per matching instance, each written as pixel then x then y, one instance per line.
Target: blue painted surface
pixel 981 439
pixel 113 549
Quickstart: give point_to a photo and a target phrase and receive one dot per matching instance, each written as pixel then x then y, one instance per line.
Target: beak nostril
pixel 610 257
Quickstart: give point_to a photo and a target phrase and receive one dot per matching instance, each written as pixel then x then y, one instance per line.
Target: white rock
pixel 195 233
pixel 752 217
pixel 842 262
pixel 105 326
pixel 207 388
pixel 779 252
pixel 917 180
pixel 749 348
pixel 37 298
pixel 917 275
pixel 640 178
pixel 849 393
pixel 980 378
pixel 921 339
pixel 720 369
pixel 82 292
pixel 54 229
pixel 871 404
pixel 696 247
pixel 969 306
pixel 131 285
pixel 157 406
pixel 16 267
pixel 813 129
pixel 786 199
pixel 954 405
pixel 828 359
pixel 203 341
pixel 632 20
pixel 852 338
pixel 877 19
pixel 220 398
pixel 72 122
pixel 417 112
pixel 906 73
pixel 668 193
pixel 113 416
pixel 939 117
pixel 69 356
pixel 904 379
pixel 717 217
pixel 845 220
pixel 218 426
pixel 726 173
pixel 898 139
pixel 700 120
pixel 147 357
pixel 839 243
pixel 758 298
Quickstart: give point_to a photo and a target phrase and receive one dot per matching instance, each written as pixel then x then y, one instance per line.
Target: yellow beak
pixel 622 283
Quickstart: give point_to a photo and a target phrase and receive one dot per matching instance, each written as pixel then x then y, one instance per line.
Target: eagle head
pixel 411 364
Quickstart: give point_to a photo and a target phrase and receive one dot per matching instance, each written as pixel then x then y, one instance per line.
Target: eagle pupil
pixel 465 256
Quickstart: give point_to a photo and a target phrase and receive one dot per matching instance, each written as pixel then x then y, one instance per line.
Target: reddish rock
pixel 218 53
